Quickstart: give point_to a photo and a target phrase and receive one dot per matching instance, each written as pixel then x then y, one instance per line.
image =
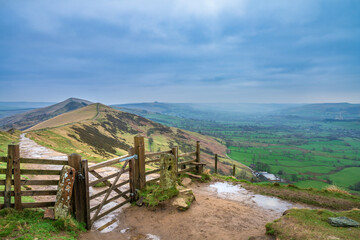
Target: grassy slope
pixel 29 224
pixel 300 224
pixel 112 132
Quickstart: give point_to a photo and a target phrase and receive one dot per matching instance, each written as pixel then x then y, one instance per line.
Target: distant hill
pixel 12 108
pixel 30 118
pixel 338 111
pixel 99 132
pixel 206 111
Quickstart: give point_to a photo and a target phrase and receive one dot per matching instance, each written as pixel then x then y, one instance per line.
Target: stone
pixel 183 201
pixel 167 171
pixel 180 204
pixel 343 222
pixel 64 192
pixel 49 214
pixel 186 181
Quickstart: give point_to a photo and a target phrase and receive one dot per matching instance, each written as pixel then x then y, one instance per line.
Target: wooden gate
pixel 114 182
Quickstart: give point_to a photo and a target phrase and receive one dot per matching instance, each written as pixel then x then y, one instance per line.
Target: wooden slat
pixel 17 177
pixel 111 199
pixel 34 182
pixel 152 154
pixel 39 172
pixel 187 170
pixel 152 160
pixel 104 191
pixel 152 171
pixel 186 162
pixel 91 184
pixel 109 211
pixel 44 161
pixel 8 171
pixel 32 193
pixel 107 163
pixel 187 154
pixel 38 204
pixel 3 159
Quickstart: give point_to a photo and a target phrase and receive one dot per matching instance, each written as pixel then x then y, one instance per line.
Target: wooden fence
pixel 134 163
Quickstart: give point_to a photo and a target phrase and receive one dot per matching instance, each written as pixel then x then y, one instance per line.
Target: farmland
pixel 307 152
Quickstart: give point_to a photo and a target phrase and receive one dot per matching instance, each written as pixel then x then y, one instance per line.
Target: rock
pixel 167 171
pixel 343 222
pixel 49 214
pixel 139 202
pixel 64 192
pixel 180 204
pixel 186 181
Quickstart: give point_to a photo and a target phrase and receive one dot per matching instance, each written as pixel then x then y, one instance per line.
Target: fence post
pixel 14 153
pixel 75 162
pixel 233 173
pixel 9 168
pixel 198 168
pixel 132 181
pixel 84 192
pixel 174 151
pixel 216 162
pixel 139 147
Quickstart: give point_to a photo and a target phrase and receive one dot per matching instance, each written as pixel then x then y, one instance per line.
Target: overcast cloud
pixel 180 51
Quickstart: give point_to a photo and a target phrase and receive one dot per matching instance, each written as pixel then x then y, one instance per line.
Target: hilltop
pixel 30 118
pixel 100 132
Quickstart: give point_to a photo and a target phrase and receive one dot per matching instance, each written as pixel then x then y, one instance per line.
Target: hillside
pixel 99 132
pixel 30 118
pixel 325 111
pixel 12 108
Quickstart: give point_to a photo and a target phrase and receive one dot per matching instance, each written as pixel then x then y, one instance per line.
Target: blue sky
pixel 258 51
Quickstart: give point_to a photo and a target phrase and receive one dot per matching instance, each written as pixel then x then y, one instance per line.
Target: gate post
pixel 9 168
pixel 84 187
pixel 139 147
pixel 198 168
pixel 132 180
pixel 75 162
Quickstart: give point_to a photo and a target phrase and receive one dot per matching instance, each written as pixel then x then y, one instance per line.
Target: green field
pixel 309 153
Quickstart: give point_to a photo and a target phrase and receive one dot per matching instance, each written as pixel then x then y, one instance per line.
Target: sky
pixel 200 51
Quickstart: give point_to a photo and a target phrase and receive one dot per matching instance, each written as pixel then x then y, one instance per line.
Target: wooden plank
pixel 17 183
pixel 85 173
pixel 153 154
pixel 3 159
pixel 39 172
pixel 140 163
pixel 107 163
pixel 34 182
pixel 187 170
pixel 33 193
pixel 187 154
pixel 152 160
pixel 186 162
pixel 107 183
pixel 44 161
pixel 104 191
pixel 38 204
pixel 111 199
pixel 109 211
pixel 152 171
pixel 9 168
pixel 193 175
pixel 103 179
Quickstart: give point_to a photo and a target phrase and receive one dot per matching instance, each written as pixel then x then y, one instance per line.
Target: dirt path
pixel 221 210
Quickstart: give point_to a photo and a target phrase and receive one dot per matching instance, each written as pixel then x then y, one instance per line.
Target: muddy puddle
pixel 228 191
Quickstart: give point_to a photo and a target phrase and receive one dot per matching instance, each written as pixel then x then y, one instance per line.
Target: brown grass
pixel 335 189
